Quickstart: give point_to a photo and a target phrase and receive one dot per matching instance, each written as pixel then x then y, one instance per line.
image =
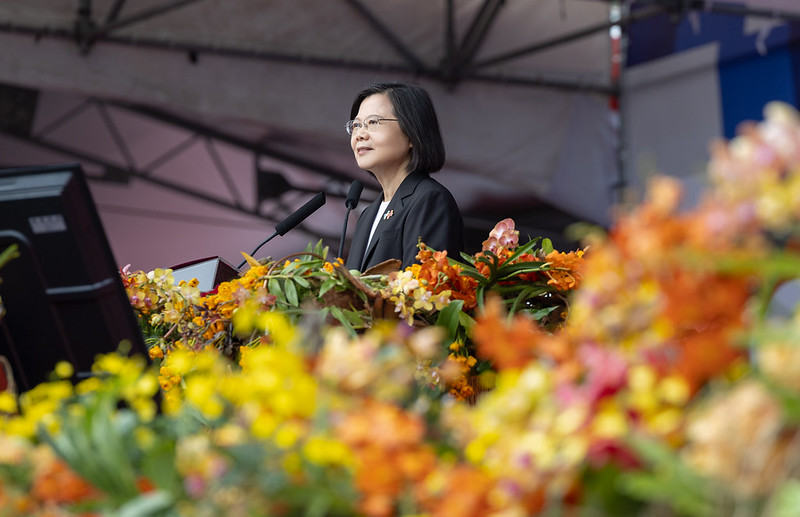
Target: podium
pixel 209 272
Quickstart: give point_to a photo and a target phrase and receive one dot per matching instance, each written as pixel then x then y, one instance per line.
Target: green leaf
pixel 786 500
pixel 274 287
pixel 153 504
pixel 337 313
pixel 474 274
pixel 353 317
pixel 525 248
pixel 540 313
pixel 479 294
pixel 110 451
pixel 301 268
pixel 9 253
pixel 449 318
pixel 510 271
pixel 291 292
pixel 158 465
pixel 467 258
pixel 319 506
pixel 302 282
pixel 94 445
pixel 547 246
pixel 667 480
pixel 788 398
pixel 466 321
pixel 326 286
pixel 523 295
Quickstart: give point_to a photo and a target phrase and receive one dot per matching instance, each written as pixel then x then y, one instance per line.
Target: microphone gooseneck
pixel 292 220
pixel 353 195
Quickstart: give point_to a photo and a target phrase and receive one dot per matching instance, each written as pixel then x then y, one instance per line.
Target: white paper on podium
pixel 209 272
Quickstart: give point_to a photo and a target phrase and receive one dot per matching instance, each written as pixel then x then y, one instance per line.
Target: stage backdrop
pixel 691 79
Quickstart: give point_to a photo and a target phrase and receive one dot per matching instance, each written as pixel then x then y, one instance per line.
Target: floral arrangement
pixel 646 376
pixel 305 286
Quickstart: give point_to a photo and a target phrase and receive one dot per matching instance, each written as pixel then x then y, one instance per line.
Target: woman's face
pixel 384 150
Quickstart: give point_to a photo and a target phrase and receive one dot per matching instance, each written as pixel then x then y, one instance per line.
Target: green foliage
pixel 507 278
pixel 98 443
pixel 303 284
pixel 668 481
pixel 8 254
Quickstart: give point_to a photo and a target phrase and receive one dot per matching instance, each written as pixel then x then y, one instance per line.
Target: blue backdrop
pixel 751 72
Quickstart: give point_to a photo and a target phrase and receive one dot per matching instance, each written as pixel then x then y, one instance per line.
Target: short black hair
pixel 417 118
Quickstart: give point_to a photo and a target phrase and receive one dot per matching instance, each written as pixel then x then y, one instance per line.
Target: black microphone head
pixel 301 213
pixel 353 195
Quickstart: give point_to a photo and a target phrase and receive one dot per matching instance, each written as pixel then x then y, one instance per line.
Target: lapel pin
pixel 388 214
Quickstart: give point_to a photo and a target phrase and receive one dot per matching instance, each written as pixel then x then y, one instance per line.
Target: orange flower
pixel 706 311
pixel 464 493
pixel 506 346
pixel 390 454
pixel 566 272
pixel 144 485
pixel 57 483
pixel 437 275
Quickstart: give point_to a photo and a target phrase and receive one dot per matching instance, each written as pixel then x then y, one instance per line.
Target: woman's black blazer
pixel 421 208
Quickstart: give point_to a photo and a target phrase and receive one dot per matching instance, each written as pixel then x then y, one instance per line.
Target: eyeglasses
pixel 371 123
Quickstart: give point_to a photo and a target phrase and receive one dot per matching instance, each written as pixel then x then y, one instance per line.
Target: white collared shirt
pixel 378 216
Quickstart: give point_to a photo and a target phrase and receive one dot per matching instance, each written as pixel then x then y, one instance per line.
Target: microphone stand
pixel 274 234
pixel 293 220
pixel 350 203
pixel 344 232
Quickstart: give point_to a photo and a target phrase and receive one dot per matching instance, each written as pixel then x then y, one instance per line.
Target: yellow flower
pixel 145 437
pixel 476 449
pixel 326 451
pixel 278 326
pixel 610 422
pixel 64 370
pixel 292 463
pixel 89 385
pixel 674 390
pixel 287 435
pixel 145 408
pixel 180 362
pixel 264 425
pixel 8 402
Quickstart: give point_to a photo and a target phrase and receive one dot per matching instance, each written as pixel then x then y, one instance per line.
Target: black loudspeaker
pixel 63 294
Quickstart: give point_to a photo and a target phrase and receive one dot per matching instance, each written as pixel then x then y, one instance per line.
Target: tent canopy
pixel 229 115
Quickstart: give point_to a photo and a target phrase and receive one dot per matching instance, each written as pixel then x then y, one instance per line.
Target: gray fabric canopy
pixel 203 122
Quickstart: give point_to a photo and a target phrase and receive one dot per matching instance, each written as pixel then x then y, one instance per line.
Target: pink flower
pixel 606 374
pixel 607 371
pixel 503 235
pixel 194 485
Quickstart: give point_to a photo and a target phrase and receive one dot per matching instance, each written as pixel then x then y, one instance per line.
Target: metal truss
pixel 194 134
pixel 455 66
pixel 458 64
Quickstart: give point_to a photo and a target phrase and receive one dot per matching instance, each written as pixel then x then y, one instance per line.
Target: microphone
pixel 304 211
pixel 353 195
pixel 292 220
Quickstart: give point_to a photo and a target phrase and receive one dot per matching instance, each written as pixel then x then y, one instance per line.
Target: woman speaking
pixel 394 134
